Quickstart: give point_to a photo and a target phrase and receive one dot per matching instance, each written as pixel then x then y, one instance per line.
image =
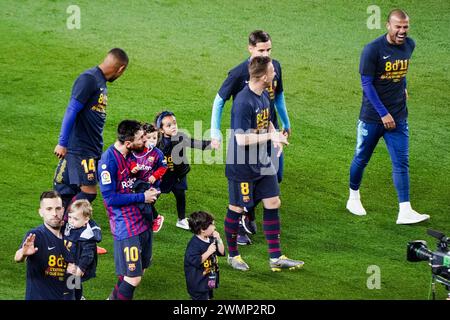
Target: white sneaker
pixel 355 206
pixel 411 216
pixel 183 224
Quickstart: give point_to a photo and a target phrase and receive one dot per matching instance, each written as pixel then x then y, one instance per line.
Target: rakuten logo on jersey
pixel 128 183
pixel 144 167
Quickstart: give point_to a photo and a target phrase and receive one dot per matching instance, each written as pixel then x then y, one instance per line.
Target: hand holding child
pixel 71 268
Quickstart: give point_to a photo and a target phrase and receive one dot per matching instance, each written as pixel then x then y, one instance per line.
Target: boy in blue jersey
pixel 43 249
pixel 249 168
pixel 201 266
pixel 173 144
pixel 81 235
pixel 383 67
pixel 259 44
pixel 80 141
pixel 132 233
pixel 150 167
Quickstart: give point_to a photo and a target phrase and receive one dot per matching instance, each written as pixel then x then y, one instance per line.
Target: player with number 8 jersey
pixel 249 168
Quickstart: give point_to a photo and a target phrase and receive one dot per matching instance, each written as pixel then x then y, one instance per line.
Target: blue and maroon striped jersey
pixel 116 181
pixel 151 162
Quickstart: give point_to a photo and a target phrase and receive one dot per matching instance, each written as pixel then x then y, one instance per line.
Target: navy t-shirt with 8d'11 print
pixel 250 113
pixel 86 135
pixel 47 267
pixel 388 64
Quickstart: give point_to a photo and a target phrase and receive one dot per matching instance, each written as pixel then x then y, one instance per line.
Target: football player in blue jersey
pixel 80 141
pixel 251 174
pixel 259 44
pixel 133 236
pixel 383 67
pixel 43 249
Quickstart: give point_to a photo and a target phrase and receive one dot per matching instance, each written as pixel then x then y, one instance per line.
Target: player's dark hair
pixel 119 54
pixel 200 220
pixel 399 13
pixel 258 36
pixel 149 127
pixel 258 66
pixel 49 195
pixel 127 129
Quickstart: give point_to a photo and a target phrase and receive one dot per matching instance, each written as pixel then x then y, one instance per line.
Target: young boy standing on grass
pixel 200 261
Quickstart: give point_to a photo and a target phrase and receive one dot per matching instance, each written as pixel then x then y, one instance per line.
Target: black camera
pixel 439 260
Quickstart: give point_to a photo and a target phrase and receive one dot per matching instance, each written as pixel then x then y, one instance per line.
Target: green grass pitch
pixel 180 52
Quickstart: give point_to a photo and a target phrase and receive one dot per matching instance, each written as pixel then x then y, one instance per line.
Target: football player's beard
pixel 55 223
pixel 136 149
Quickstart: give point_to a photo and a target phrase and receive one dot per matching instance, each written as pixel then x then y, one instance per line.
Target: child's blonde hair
pixel 83 205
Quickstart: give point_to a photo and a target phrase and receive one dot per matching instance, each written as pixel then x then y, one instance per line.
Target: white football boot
pixel 354 204
pixel 407 215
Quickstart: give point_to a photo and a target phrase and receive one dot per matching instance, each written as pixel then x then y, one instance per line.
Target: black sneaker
pixel 249 226
pixel 243 240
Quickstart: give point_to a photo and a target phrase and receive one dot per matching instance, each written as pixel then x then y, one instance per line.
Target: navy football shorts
pixel 74 171
pixel 133 255
pixel 248 193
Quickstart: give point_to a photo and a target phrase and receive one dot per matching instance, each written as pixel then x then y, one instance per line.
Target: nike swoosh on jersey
pixel 51 248
pixel 385 57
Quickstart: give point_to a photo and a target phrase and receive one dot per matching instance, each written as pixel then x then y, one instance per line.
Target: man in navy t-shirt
pixel 43 249
pixel 383 67
pixel 80 142
pixel 249 168
pixel 259 44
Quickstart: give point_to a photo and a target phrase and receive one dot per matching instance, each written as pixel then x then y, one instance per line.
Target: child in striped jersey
pixel 149 168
